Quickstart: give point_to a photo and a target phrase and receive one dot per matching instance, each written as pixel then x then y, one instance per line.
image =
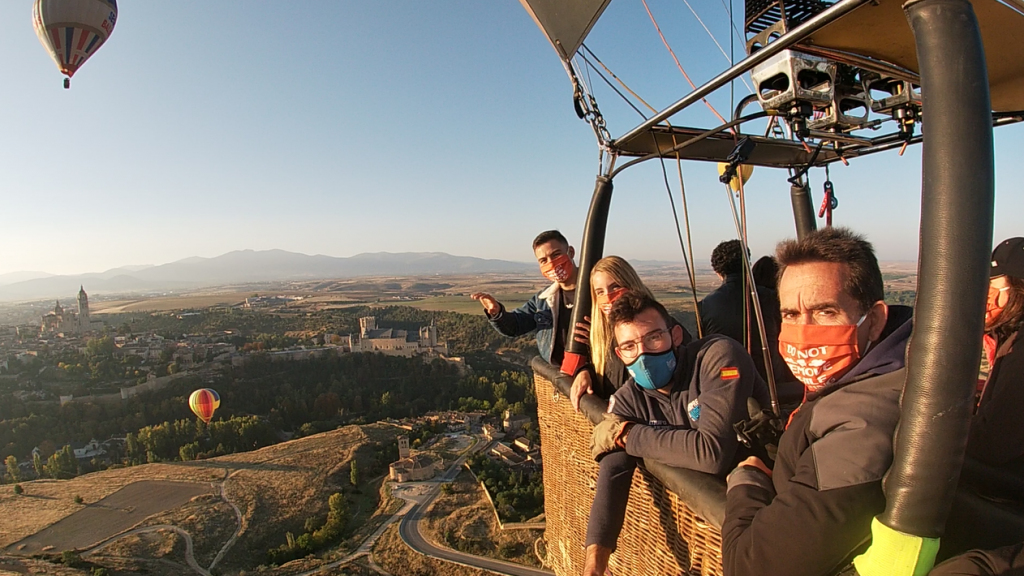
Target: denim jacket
pixel 537 314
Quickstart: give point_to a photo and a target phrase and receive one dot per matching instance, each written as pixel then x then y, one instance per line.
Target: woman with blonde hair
pixel 610 278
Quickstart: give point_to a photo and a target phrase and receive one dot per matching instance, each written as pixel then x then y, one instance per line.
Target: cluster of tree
pixel 304 397
pixel 317 534
pixel 464 332
pixel 193 440
pixel 905 297
pixel 518 494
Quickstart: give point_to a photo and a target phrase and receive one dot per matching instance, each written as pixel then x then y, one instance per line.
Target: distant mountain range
pixel 246 266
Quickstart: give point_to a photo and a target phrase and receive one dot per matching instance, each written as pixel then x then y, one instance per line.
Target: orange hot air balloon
pixel 204 402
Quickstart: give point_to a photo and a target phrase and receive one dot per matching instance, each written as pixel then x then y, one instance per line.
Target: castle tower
pixel 83 310
pixel 403 447
pixel 366 324
pixel 428 336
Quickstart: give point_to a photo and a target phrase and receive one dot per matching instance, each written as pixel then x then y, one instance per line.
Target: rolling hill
pixel 249 266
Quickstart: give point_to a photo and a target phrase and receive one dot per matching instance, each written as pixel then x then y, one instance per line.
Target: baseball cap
pixel 1008 258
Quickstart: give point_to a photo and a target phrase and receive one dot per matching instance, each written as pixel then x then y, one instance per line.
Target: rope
pixel 617 79
pixel 748 272
pixel 679 234
pixel 689 244
pixel 612 86
pixel 715 40
pixel 678 65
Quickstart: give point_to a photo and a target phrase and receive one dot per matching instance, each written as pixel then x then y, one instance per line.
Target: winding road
pixel 409 516
pixel 189 556
pixel 409 530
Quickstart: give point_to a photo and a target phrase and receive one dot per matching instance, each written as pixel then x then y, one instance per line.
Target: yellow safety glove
pixel 894 553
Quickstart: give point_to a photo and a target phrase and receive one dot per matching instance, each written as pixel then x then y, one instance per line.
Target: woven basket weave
pixel 661 535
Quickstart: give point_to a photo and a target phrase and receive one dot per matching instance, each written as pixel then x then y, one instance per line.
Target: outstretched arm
pixel 520 321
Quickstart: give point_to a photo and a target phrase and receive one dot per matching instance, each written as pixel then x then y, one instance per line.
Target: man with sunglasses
pixel 678 407
pixel 548 312
pixel 813 512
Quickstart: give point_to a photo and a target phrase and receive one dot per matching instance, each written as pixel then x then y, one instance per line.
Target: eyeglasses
pixel 653 340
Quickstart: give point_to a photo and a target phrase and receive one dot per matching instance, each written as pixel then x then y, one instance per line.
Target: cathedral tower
pixel 83 310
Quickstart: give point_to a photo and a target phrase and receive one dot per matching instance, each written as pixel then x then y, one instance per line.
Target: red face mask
pixel 992 307
pixel 819 354
pixel 557 269
pixel 604 301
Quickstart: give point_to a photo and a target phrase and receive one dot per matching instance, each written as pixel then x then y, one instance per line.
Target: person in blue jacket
pixel 549 311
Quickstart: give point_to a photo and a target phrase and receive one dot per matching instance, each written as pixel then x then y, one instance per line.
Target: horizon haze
pixel 184 137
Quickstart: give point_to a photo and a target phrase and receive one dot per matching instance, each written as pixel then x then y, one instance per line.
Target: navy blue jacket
pixel 538 314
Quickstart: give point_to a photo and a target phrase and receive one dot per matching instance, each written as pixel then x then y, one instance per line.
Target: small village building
pixel 505 452
pixel 523 444
pixel 88 451
pixel 413 469
pixel 513 422
pixel 493 432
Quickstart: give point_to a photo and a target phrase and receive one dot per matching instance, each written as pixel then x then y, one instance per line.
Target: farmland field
pixel 111 515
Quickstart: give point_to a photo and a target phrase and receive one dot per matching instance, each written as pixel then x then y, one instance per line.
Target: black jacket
pixel 814 514
pixel 997 437
pixel 722 312
pixel 692 426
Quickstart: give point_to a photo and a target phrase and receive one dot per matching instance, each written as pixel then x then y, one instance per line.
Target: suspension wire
pixel 617 79
pixel 732 23
pixel 612 86
pixel 679 233
pixel 747 336
pixel 728 57
pixel 749 273
pixel 732 57
pixel 689 244
pixel 678 65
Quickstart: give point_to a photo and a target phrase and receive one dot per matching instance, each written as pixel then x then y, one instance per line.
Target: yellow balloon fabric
pixel 742 171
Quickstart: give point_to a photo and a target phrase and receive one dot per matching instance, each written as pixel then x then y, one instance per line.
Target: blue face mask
pixel 653 371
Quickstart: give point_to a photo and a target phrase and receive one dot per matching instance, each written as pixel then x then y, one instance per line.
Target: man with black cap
pixel 997 438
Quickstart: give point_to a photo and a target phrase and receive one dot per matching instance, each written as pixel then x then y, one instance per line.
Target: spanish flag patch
pixel 730 373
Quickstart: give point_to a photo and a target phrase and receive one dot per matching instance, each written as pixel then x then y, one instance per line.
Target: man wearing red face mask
pixel 812 513
pixel 548 312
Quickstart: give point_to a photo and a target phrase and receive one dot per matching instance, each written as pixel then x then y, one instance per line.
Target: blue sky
pixel 341 127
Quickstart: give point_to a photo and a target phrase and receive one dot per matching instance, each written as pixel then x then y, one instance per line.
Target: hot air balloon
pixel 73 30
pixel 742 171
pixel 204 402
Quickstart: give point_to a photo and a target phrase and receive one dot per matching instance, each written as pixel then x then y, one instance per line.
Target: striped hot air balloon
pixel 73 30
pixel 204 402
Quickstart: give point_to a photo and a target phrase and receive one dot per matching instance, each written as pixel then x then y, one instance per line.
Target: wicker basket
pixel 661 535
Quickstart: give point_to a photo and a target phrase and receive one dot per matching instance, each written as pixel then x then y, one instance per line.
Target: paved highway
pixel 409 529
